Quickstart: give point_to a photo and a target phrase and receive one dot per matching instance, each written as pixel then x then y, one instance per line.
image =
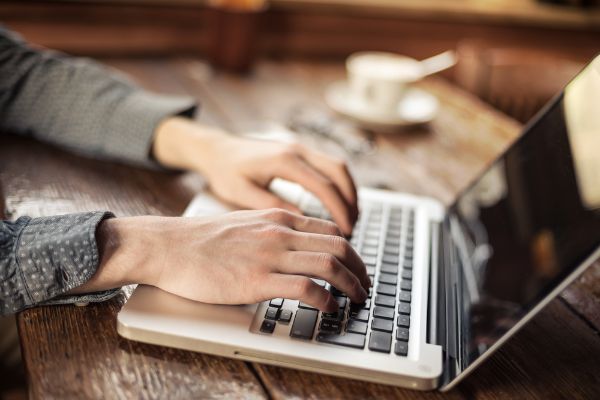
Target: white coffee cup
pixel 379 79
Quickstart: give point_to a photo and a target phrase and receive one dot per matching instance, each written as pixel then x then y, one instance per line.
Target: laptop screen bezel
pixel 528 315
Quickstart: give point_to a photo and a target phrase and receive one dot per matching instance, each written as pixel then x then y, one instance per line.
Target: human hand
pixel 237 258
pixel 240 170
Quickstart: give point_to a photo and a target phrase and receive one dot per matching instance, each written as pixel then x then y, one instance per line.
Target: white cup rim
pixel 351 70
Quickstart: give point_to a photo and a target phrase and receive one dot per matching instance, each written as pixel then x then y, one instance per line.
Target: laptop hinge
pixel 432 320
pixel 442 315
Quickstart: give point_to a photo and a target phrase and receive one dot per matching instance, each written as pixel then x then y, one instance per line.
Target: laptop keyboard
pixel 384 238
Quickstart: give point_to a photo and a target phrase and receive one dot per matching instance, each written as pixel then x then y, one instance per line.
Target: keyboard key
pixel 407 264
pixel 383 312
pixel 392 251
pixel 384 288
pixel 395 223
pixel 271 313
pixel 388 278
pixel 330 326
pixel 372 233
pixel 369 260
pixel 370 242
pixel 407 274
pixel 285 316
pixel 404 296
pixel 360 315
pixel 389 268
pixel 267 326
pixel 368 251
pixel 355 326
pixel 392 241
pixel 320 282
pixel 384 325
pixel 349 339
pixel 402 334
pixel 385 301
pixel 406 285
pixel 304 305
pixel 370 270
pixel 397 210
pixel 390 259
pixel 336 316
pixel 276 302
pixel 341 301
pixel 403 321
pixel 394 231
pixel 401 348
pixel 304 324
pixel 404 308
pixel 380 341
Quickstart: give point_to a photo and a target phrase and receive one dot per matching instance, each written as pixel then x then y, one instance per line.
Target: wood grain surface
pixel 73 352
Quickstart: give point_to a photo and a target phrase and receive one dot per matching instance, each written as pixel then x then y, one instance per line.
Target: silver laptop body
pixel 451 285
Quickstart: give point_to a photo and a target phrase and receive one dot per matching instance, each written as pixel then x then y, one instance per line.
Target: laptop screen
pixel 527 222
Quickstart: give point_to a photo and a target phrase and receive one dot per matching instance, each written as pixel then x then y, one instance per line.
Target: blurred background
pixel 536 45
pixel 513 54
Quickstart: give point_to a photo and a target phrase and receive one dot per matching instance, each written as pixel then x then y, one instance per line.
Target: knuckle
pixel 295 148
pixel 328 184
pixel 289 151
pixel 278 215
pixel 339 164
pixel 338 245
pixel 274 232
pixel 328 263
pixel 332 229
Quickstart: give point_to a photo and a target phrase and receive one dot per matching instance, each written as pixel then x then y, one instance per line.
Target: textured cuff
pixel 83 299
pixel 57 254
pixel 134 123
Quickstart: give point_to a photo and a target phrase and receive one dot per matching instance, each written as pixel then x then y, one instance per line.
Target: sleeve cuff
pixel 57 254
pixel 83 299
pixel 134 123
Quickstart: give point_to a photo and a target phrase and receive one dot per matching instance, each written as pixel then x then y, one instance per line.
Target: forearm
pixel 79 104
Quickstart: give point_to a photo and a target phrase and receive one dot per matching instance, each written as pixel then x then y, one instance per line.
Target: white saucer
pixel 416 107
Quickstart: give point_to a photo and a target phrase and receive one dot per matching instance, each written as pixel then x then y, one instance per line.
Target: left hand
pixel 240 170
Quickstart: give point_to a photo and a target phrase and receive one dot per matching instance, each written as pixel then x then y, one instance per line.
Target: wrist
pixel 183 144
pixel 123 256
pixel 125 246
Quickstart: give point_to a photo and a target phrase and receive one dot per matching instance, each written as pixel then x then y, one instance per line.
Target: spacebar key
pixel 304 323
pixel 349 339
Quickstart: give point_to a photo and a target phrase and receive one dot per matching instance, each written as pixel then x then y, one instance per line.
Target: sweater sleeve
pixel 41 259
pixel 78 104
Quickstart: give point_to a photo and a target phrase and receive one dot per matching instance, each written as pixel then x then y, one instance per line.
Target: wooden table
pixel 75 352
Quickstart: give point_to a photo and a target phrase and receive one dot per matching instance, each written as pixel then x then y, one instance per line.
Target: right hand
pixel 237 258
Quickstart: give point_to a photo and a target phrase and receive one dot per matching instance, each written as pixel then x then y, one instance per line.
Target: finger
pixel 302 223
pixel 256 197
pixel 323 266
pixel 300 288
pixel 336 246
pixel 297 170
pixel 335 170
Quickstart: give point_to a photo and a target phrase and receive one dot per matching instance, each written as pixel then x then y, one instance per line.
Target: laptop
pixel 450 284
